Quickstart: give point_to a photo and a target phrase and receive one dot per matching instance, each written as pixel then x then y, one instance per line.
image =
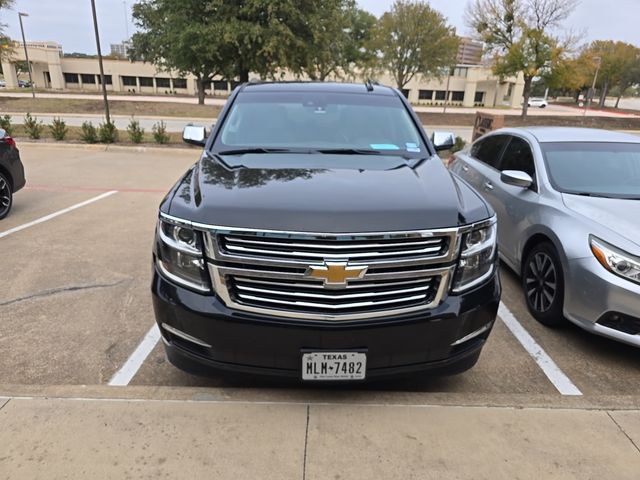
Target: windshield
pixel 359 123
pixel 598 169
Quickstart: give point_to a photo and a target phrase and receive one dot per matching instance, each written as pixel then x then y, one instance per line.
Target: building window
pixel 479 97
pixel 88 78
pixel 71 78
pixel 129 81
pixel 220 85
pixel 47 77
pixel 163 83
pixel 441 94
pixel 406 92
pixel 108 80
pixel 457 96
pixel 425 94
pixel 179 83
pixel 146 81
pixel 460 72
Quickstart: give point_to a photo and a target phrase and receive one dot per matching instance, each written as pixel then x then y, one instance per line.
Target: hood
pixel 618 215
pixel 325 193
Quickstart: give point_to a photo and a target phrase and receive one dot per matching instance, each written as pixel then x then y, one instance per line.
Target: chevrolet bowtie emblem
pixel 336 274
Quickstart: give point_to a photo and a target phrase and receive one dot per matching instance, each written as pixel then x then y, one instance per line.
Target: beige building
pixel 470 51
pixel 468 86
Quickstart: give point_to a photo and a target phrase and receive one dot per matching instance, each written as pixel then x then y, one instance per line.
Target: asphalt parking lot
pixel 86 383
pixel 75 302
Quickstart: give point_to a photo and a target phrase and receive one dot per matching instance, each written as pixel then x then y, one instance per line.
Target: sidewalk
pixel 101 438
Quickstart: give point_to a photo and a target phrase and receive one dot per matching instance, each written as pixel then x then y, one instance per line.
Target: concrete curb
pixel 99 147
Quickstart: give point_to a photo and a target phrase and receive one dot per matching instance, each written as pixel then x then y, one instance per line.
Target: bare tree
pixel 520 35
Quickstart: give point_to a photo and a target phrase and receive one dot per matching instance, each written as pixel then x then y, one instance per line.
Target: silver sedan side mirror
pixel 516 178
pixel 443 140
pixel 195 135
pixel 3 133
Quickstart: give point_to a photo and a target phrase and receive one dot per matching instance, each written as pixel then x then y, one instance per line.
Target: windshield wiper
pixel 243 151
pixel 362 151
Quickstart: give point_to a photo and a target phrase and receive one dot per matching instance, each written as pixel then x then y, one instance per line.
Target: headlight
pixel 477 258
pixel 179 255
pixel 615 260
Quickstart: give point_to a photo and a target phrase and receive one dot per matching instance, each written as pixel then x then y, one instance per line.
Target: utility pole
pixel 104 85
pixel 446 95
pixel 26 53
pixel 126 20
pixel 592 91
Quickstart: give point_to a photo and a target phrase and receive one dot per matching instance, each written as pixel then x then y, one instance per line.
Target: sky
pixel 69 22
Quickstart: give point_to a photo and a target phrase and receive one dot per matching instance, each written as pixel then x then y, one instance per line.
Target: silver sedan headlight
pixel 615 260
pixel 179 255
pixel 477 259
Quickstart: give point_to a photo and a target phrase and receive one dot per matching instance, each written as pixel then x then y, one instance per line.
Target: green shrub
pixel 58 129
pixel 33 126
pixel 160 132
pixel 135 131
pixel 5 124
pixel 107 132
pixel 459 145
pixel 89 133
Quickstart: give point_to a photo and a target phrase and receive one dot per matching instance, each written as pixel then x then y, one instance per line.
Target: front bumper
pixel 593 295
pixel 242 342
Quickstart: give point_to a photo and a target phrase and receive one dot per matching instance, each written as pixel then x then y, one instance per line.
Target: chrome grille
pixel 266 272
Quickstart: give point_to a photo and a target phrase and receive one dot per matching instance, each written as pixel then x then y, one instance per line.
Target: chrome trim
pixel 337 247
pixel 473 334
pixel 219 273
pixel 333 307
pixel 179 280
pixel 185 336
pixel 336 296
pixel 333 256
pixel 320 286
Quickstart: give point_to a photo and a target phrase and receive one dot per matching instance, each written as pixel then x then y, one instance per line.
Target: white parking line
pixel 556 376
pixel 56 214
pixel 123 376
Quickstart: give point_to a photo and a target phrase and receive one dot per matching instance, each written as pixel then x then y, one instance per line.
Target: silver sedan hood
pixel 618 215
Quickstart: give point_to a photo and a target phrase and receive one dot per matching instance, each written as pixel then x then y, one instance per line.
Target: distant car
pixel 24 84
pixel 568 204
pixel 11 172
pixel 537 102
pixel 3 84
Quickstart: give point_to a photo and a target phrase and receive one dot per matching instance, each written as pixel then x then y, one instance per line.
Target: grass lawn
pixel 117 107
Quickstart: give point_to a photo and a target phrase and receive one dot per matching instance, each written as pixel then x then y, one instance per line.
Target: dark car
pixel 320 237
pixel 11 172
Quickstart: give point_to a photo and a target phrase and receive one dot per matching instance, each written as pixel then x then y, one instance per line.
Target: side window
pixel 518 156
pixel 488 150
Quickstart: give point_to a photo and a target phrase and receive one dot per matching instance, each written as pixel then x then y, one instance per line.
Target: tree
pixel 340 39
pixel 519 33
pixel 617 62
pixel 414 39
pixel 4 40
pixel 571 75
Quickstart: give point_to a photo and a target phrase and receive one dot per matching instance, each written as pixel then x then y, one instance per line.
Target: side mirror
pixel 3 133
pixel 195 135
pixel 516 178
pixel 443 140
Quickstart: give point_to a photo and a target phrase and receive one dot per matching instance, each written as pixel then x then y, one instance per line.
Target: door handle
pixel 488 186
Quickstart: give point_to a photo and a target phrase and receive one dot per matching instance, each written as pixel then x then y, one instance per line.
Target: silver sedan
pixel 568 206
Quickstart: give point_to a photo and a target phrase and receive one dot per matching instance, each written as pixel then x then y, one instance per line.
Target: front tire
pixel 543 285
pixel 6 196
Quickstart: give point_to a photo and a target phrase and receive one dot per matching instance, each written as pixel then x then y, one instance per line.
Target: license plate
pixel 334 366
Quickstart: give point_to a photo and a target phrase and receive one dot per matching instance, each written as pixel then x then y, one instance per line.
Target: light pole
pixel 446 95
pixel 26 53
pixel 592 91
pixel 104 86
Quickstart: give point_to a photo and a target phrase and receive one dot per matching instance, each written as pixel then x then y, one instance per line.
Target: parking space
pixel 75 301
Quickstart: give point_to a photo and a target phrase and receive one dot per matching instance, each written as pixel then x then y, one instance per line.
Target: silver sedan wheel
pixel 541 282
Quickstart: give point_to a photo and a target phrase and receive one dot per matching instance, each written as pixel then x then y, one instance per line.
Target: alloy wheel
pixel 5 196
pixel 541 282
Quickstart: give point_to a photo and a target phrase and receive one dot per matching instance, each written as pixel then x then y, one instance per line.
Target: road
pixel 75 306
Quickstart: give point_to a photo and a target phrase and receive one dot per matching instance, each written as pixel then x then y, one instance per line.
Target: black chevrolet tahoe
pixel 319 237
